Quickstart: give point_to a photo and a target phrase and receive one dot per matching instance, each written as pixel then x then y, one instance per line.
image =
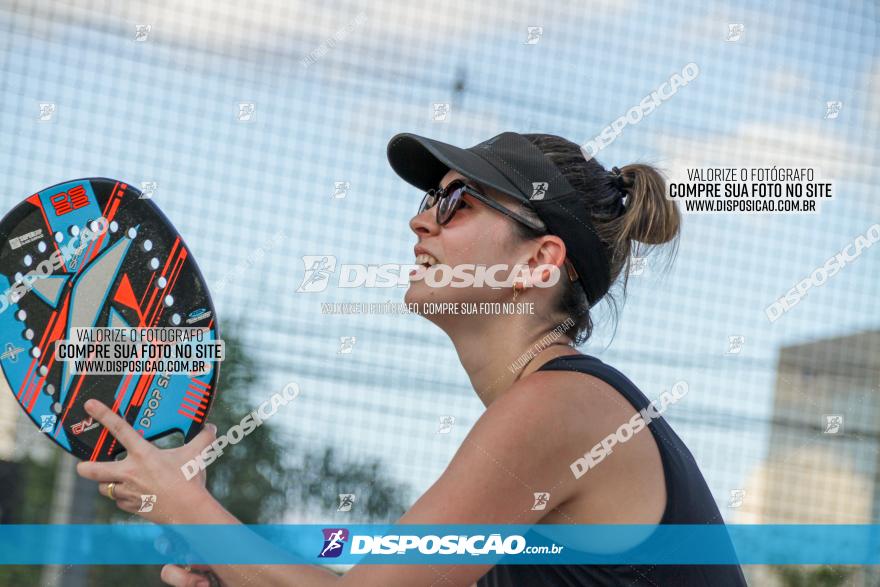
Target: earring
pixel 517 287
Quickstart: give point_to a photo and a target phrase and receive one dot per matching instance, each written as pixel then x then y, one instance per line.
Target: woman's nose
pixel 425 223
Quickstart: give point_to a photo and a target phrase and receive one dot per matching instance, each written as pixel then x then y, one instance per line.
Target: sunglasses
pixel 449 199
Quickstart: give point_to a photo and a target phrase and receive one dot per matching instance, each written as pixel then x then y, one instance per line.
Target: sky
pixel 332 83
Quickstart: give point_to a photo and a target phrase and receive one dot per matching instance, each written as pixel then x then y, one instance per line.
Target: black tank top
pixel 688 501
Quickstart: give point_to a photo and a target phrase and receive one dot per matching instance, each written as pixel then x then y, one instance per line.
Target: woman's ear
pixel 547 255
pixel 551 251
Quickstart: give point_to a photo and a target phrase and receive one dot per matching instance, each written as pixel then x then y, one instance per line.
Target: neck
pixel 498 351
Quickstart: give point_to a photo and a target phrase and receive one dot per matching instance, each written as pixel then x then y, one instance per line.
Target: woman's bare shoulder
pixel 575 401
pixel 629 487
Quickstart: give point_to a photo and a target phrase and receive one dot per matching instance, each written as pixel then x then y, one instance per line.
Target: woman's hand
pixel 188 576
pixel 148 471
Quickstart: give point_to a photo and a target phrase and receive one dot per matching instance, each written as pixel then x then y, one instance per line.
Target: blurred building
pixel 823 460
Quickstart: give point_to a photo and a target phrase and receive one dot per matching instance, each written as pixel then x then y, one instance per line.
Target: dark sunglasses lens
pixel 450 203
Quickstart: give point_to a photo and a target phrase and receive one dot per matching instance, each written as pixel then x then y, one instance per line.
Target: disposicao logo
pixel 334 540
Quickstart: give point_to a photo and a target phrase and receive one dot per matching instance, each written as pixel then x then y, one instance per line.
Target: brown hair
pixel 650 219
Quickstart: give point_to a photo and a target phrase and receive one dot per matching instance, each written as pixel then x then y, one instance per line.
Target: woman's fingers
pixel 119 428
pixel 203 439
pixel 174 575
pixel 125 499
pixel 104 489
pixel 179 577
pixel 121 491
pixel 101 472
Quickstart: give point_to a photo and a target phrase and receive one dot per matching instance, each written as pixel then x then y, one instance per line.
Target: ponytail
pixel 628 208
pixel 650 218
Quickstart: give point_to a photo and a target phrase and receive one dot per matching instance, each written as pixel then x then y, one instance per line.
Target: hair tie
pixel 621 185
pixel 618 180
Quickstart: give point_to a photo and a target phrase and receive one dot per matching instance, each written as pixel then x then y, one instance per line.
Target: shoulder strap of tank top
pixel 594 366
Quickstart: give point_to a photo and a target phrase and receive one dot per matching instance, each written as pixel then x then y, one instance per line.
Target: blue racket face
pixel 94 253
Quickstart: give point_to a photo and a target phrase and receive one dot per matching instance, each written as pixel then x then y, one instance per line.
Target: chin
pixel 419 292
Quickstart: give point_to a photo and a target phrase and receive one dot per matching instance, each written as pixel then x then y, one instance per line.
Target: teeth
pixel 425 259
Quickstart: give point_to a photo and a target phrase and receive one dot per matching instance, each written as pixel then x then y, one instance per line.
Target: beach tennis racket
pixel 95 253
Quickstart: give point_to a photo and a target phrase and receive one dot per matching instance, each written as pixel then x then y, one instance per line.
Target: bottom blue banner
pixel 439 544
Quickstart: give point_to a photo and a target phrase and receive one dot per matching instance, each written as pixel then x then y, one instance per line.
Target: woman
pixel 530 201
